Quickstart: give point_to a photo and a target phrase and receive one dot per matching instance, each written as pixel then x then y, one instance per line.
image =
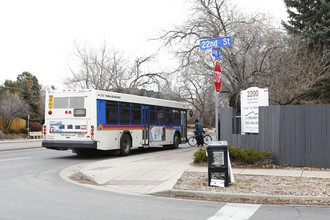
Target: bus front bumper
pixel 65 145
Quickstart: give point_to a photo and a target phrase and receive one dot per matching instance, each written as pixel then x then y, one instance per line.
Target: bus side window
pixel 111 111
pixel 136 114
pixel 152 115
pixel 176 117
pixel 160 115
pixel 168 116
pixel 124 113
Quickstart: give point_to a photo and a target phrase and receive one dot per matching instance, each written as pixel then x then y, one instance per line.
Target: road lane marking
pixel 16 158
pixel 235 211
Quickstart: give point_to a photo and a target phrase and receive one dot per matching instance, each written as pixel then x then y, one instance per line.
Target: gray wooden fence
pixel 297 135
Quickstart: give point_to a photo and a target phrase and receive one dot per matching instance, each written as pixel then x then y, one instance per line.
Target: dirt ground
pixel 261 185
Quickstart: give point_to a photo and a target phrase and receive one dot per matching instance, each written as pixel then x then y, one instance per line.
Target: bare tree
pixel 255 42
pixel 140 78
pixel 98 69
pixel 12 106
pixel 199 91
pixel 107 69
pixel 299 69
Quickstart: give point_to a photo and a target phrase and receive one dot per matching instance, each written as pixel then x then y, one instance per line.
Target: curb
pixel 174 192
pixel 18 148
pixel 19 141
pixel 6 148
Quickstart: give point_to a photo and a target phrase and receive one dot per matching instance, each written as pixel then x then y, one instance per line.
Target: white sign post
pixel 251 99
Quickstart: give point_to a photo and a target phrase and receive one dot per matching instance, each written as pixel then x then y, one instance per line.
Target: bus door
pixel 145 124
pixel 183 125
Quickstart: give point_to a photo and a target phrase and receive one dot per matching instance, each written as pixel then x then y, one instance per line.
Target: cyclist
pixel 199 133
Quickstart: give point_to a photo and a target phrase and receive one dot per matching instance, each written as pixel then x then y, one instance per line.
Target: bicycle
pixel 193 142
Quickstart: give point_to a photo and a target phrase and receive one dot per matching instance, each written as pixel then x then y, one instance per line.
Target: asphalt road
pixel 31 188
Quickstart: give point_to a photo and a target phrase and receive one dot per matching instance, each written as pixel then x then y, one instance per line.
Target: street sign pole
pixel 217 84
pixel 214 44
pixel 217 116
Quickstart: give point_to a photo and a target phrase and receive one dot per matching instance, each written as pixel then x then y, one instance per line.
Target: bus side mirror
pixel 191 113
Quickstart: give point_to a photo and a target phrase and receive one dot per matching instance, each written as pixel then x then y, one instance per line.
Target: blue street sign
pixel 217 42
pixel 216 53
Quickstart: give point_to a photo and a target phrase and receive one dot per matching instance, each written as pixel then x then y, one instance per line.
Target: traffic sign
pixel 216 53
pixel 216 42
pixel 217 76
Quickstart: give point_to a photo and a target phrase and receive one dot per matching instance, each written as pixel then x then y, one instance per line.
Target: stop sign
pixel 217 76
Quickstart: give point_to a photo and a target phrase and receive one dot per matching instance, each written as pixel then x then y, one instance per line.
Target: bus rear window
pixel 61 102
pixel 77 102
pixel 69 102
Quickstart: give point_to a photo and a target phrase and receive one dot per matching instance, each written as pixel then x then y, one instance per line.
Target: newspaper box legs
pixel 219 169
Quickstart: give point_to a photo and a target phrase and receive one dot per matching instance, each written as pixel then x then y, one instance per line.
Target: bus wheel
pixel 176 141
pixel 125 145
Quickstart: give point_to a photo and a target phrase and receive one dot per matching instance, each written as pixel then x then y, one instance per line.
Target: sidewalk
pixel 137 174
pixel 158 172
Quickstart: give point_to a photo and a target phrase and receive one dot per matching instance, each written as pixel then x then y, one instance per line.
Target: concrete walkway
pixel 138 174
pixel 156 172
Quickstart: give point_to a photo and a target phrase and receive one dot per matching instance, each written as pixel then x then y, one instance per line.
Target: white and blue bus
pixel 85 120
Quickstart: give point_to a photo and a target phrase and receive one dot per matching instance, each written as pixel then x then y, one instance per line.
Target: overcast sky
pixel 38 35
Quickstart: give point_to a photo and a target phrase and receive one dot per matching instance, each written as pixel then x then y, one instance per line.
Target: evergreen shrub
pixel 23 131
pixel 248 155
pixel 12 131
pixel 200 156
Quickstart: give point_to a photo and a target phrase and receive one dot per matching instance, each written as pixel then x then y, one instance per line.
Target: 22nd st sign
pixel 217 42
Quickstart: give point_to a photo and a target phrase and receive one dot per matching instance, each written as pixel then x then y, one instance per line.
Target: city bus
pixel 89 120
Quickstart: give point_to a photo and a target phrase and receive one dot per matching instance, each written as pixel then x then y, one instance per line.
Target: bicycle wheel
pixel 207 138
pixel 192 141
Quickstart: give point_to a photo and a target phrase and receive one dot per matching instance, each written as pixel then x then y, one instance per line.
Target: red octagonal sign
pixel 217 76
